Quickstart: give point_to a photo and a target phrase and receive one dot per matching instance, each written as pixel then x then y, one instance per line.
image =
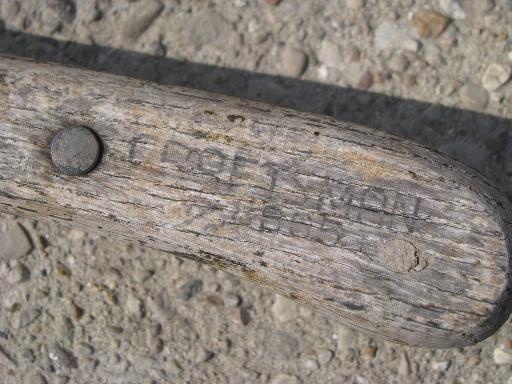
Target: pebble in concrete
pixel 495 76
pixel 474 96
pixel 293 62
pixel 284 309
pixel 15 242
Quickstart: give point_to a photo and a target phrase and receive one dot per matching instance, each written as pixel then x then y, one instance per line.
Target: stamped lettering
pixel 292 203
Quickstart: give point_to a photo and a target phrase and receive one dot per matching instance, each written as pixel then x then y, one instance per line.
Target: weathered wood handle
pixel 392 238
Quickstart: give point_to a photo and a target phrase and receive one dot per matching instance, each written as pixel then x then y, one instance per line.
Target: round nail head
pixel 75 150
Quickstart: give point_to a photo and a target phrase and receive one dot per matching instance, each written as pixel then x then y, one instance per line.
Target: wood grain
pixel 383 234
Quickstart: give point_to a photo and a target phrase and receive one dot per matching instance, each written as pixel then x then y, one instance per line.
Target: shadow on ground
pixel 480 140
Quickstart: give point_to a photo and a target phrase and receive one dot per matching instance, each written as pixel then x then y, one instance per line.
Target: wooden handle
pixel 386 235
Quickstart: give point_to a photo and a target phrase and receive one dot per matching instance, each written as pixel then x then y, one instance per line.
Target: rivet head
pixel 75 150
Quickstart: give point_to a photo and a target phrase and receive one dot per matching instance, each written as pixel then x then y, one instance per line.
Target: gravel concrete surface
pixel 80 308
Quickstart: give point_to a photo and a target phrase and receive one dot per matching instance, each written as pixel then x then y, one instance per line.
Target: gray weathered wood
pixel 386 235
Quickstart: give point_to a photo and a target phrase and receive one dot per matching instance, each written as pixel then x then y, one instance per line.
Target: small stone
pixel 378 77
pixel 449 87
pixel 293 62
pixel 18 274
pixel 502 356
pixel 411 45
pixel 14 308
pixel 353 54
pixel 368 352
pixel 473 96
pixel 453 9
pixel 257 33
pixel 10 9
pixel 115 329
pixel 284 309
pixel 355 4
pixel 239 315
pixel 188 290
pixel 204 355
pixel 433 55
pixel 100 288
pixel 61 379
pixel 410 80
pixel 141 16
pixel 429 24
pixel 134 306
pixel 207 27
pixel 66 328
pixel 273 2
pixel 76 235
pixel 174 366
pixel 15 242
pixel 495 76
pixel 365 81
pixel 37 378
pixel 232 300
pixel 449 39
pixel 142 275
pixel 62 271
pixel 387 36
pixel 398 63
pixel 28 354
pixel 215 300
pixel 7 360
pixel 441 366
pixel 473 360
pixel 62 358
pixel 155 345
pixel 305 311
pixel 84 350
pixel 118 364
pixel 346 337
pixel 503 36
pixel 310 364
pixel 76 312
pixel 404 365
pixel 476 8
pixel 483 6
pixel 27 317
pixel 154 330
pixel 112 276
pixel 282 378
pixel 93 14
pixel 330 55
pixel 66 9
pixel 323 72
pixel 4 269
pixel 161 307
pixel 324 356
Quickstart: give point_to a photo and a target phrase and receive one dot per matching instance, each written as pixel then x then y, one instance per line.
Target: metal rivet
pixel 75 150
